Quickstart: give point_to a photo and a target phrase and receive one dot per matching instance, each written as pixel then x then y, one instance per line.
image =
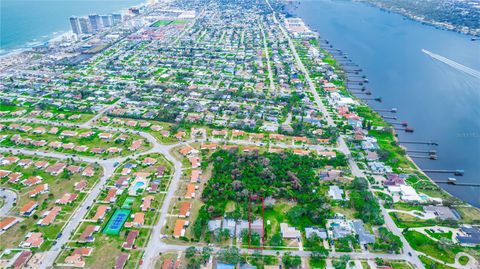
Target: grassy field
pixel 447 235
pixel 168 22
pixel 408 221
pixel 422 243
pixel 469 214
pixel 407 207
pixel 463 260
pixel 276 215
pixel 400 265
pixel 429 263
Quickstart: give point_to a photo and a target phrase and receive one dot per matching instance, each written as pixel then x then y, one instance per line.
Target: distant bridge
pixel 465 69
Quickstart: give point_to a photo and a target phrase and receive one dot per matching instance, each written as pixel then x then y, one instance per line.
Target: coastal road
pixel 408 253
pixel 9 198
pixel 304 70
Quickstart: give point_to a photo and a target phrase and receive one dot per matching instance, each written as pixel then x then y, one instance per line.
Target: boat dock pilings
pixel 391 110
pixel 431 152
pixel 432 143
pixel 407 129
pixel 389 117
pixel 378 99
pixel 399 123
pixel 358 92
pixel 454 183
pixel 348 64
pixel 457 172
pixel 354 83
pixel 431 157
pixel 357 76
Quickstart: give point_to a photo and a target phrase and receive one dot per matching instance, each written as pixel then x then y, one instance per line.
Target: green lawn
pixel 168 22
pixel 463 260
pixel 422 243
pixel 314 264
pixel 447 235
pixel 276 215
pixel 433 264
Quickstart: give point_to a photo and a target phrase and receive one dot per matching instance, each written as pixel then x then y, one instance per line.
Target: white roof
pixel 289 232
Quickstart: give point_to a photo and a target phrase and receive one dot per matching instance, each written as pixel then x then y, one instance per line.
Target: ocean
pixel 440 102
pixel 24 23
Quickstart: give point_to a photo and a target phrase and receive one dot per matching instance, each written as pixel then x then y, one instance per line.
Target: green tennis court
pixel 115 223
pixel 127 204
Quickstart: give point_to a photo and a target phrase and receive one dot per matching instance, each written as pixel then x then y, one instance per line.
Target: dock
pixel 457 172
pixel 426 151
pixel 430 157
pixel 454 183
pixel 419 142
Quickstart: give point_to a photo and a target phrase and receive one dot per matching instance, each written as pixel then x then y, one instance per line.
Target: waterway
pixel 440 102
pixel 24 23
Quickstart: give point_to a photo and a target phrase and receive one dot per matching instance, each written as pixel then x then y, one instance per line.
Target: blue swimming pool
pixel 138 185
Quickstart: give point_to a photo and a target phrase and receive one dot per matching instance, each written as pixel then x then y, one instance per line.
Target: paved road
pixel 9 198
pixel 412 256
pixel 269 67
pixel 354 255
pixel 77 216
pixel 108 166
pixel 155 245
pixel 100 113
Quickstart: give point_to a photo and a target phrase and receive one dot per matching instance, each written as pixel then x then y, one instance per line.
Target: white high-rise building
pixel 85 25
pixel 75 24
pixel 95 22
pixel 106 20
pixel 116 18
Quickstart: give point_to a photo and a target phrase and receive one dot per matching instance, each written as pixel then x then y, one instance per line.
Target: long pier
pixel 392 110
pixel 458 184
pixel 457 172
pixel 431 157
pixel 425 151
pixel 419 142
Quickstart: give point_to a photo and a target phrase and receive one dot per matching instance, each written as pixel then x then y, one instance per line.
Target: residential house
pixel 121 260
pixel 49 216
pixel 100 213
pixel 28 209
pixel 32 240
pixel 130 241
pixel 289 232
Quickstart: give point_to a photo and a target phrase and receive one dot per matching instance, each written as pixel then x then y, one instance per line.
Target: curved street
pixel 9 197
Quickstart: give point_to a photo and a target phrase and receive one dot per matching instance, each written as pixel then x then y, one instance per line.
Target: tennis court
pixel 115 223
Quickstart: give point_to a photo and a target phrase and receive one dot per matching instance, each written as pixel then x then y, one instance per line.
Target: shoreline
pixel 432 23
pixel 407 156
pixel 4 53
pixel 52 37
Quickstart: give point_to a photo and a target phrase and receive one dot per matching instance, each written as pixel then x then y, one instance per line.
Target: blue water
pixel 441 103
pixel 24 22
pixel 138 185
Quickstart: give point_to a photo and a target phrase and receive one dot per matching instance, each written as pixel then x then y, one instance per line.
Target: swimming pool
pixel 138 185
